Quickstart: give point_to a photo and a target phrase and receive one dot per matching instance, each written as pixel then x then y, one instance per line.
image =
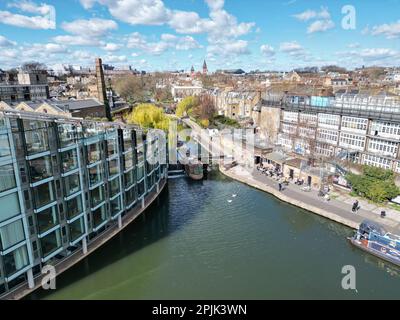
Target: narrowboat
pixel 374 239
pixel 194 169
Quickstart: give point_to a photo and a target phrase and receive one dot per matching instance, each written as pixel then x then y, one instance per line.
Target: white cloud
pixel 391 31
pixel 221 27
pixel 168 41
pixel 90 28
pixel 75 40
pixel 4 42
pixel 44 20
pixel 267 50
pixel 229 47
pixel 323 20
pixel 112 46
pixel 115 59
pixel 354 45
pixel 320 26
pixel 289 47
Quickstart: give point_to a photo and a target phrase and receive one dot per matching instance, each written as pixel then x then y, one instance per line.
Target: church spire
pixel 205 69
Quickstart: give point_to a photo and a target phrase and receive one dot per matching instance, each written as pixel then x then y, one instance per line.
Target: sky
pixel 160 35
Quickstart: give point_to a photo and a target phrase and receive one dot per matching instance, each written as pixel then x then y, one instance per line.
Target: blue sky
pixel 176 34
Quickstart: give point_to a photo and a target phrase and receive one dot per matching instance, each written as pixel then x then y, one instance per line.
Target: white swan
pixel 234 195
pixel 229 201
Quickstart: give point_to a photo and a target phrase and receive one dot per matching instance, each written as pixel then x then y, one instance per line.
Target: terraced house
pixel 67 186
pixel 364 129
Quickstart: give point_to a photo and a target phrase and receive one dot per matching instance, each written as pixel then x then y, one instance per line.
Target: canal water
pixel 200 242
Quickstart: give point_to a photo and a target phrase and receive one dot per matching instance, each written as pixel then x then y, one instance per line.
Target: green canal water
pixel 194 244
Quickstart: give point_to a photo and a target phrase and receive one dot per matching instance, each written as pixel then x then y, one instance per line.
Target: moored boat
pixel 194 169
pixel 374 239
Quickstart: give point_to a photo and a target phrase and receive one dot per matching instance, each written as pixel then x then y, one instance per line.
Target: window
pixel 11 234
pixel 44 194
pixel 140 172
pixel 51 242
pixel 74 207
pixel 7 177
pixel 115 206
pixel 128 158
pixel 96 174
pixel 9 205
pixel 67 134
pixel 127 136
pixel 4 146
pixel 76 229
pixel 94 153
pixel 99 216
pixel 97 196
pixel 47 219
pixel 69 160
pixel 129 178
pixel 40 168
pixel 114 187
pixel 72 184
pixel 111 147
pixel 113 168
pixel 36 137
pixel 15 260
pixel 139 138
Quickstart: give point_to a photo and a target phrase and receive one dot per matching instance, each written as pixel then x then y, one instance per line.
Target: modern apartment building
pixel 67 185
pixel 365 129
pixel 22 92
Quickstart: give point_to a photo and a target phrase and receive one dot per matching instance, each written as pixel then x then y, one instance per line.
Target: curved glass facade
pixel 65 183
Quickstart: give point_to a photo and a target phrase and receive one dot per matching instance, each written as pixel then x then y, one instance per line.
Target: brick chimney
pixel 101 88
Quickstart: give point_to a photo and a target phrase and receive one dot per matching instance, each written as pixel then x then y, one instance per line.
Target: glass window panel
pixel 114 187
pixel 127 135
pixel 12 234
pixel 72 184
pixel 99 216
pixel 7 178
pixel 47 219
pixel 9 206
pixel 113 169
pixel 139 138
pixel 97 196
pixel 37 141
pixel 76 229
pixel 94 152
pixel 140 172
pixel 74 207
pixel 44 194
pixel 4 145
pixel 67 134
pixel 115 206
pixel 69 160
pixel 129 178
pixel 111 147
pixel 130 196
pixel 15 260
pixel 128 158
pixel 40 168
pixel 96 174
pixel 50 242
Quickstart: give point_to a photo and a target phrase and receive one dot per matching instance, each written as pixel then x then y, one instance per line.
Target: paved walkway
pixel 338 209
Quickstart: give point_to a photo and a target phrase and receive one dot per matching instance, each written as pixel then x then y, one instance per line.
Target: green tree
pixel 375 184
pixel 186 106
pixel 149 116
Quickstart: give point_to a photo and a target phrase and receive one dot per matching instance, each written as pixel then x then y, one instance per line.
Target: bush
pixel 149 116
pixel 375 184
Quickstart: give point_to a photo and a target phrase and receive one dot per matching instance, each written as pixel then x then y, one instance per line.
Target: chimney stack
pixel 101 88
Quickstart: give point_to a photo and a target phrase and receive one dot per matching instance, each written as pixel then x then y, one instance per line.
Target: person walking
pixel 356 206
pixel 280 186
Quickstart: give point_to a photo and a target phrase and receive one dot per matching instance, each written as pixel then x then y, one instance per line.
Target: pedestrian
pixel 280 186
pixel 383 213
pixel 356 206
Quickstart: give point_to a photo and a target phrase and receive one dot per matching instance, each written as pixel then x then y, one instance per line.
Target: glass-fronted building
pixel 63 184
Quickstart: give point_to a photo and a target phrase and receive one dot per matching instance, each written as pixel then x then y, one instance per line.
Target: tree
pixel 375 184
pixel 33 66
pixel 186 106
pixel 149 116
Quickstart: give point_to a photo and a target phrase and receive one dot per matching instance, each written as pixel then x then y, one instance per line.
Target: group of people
pixel 270 172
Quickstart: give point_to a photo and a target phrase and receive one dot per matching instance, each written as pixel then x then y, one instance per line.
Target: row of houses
pixel 363 129
pixel 66 108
